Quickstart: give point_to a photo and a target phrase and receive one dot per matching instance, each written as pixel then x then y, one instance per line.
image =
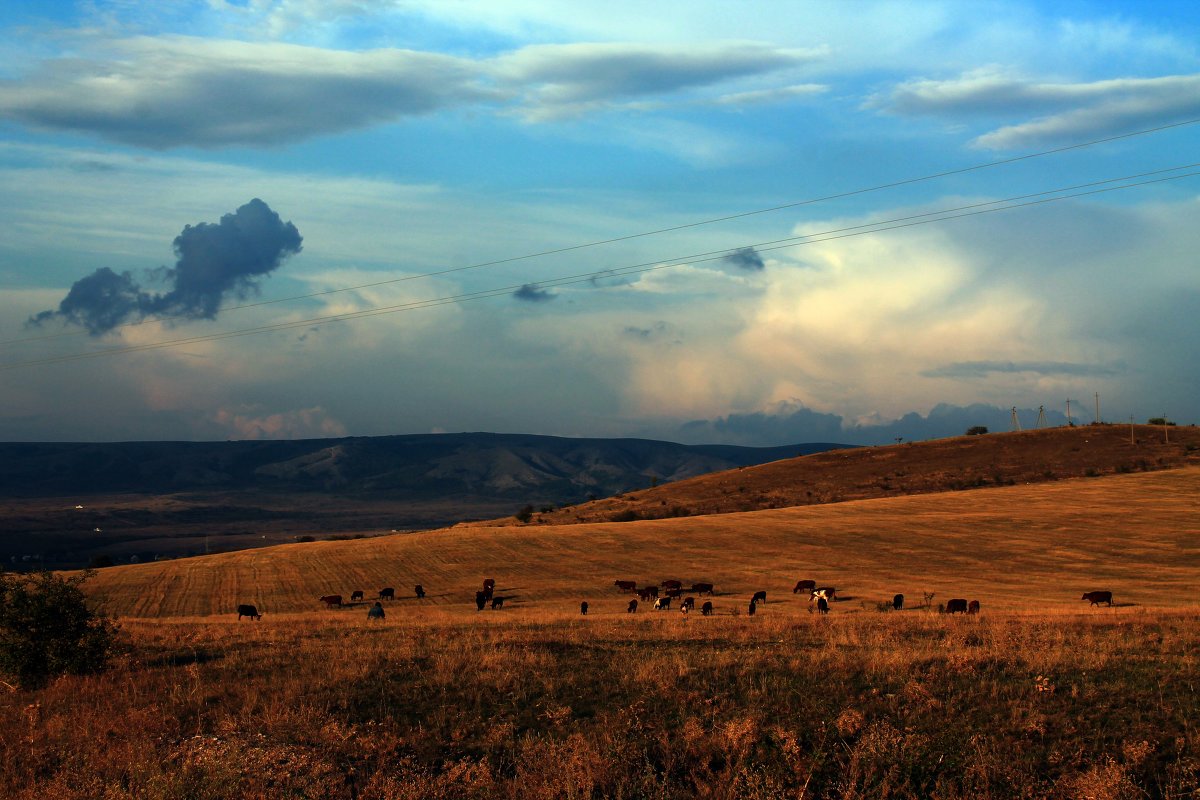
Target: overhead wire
pixel 640 235
pixel 974 209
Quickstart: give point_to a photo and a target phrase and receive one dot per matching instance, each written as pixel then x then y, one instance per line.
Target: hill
pixel 962 462
pixel 62 504
pixel 1013 547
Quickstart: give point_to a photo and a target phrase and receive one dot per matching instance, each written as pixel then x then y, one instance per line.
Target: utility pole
pixel 1166 435
pixel 1016 423
pixel 1041 420
pixel 1069 423
pixel 1132 440
pixel 1097 407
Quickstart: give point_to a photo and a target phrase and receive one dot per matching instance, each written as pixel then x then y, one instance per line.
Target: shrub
pixel 525 514
pixel 47 629
pixel 977 430
pixel 628 515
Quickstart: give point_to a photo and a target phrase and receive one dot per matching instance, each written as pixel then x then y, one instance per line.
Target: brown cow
pixel 673 591
pixel 672 584
pixel 649 593
pixel 956 606
pixel 489 587
pixel 804 586
pixel 387 594
pixel 247 610
pixel 702 588
pixel 759 596
pixel 332 600
pixel 626 587
pixel 356 595
pixel 1096 598
pixel 973 607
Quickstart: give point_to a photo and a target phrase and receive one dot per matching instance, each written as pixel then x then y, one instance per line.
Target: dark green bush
pixel 47 629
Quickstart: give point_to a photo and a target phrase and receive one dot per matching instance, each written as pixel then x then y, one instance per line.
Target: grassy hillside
pixel 1014 547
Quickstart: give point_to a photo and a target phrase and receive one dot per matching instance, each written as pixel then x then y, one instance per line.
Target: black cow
pixel 973 607
pixel 956 606
pixel 672 584
pixel 753 608
pixel 649 593
pixel 673 591
pixel 632 607
pixel 583 608
pixel 702 588
pixel 387 594
pixel 898 602
pixel 420 590
pixel 1096 598
pixel 804 586
pixel 759 596
pixel 822 605
pixel 247 610
pixel 626 587
pixel 481 599
pixel 662 604
pixel 497 602
pixel 356 595
pixel 689 603
pixel 707 608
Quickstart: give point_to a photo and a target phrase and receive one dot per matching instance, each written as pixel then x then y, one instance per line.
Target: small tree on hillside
pixel 977 430
pixel 47 629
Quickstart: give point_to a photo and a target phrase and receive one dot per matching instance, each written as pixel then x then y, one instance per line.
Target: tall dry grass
pixel 910 705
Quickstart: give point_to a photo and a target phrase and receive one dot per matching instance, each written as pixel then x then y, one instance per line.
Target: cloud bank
pixel 214 262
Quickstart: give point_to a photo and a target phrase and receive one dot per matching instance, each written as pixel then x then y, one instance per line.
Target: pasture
pixel 1018 548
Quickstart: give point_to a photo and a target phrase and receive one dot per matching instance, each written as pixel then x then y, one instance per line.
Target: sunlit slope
pixel 1012 547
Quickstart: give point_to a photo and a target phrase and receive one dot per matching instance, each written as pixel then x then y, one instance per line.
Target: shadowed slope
pixel 1011 547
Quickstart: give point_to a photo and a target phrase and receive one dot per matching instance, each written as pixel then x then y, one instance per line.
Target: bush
pixel 47 629
pixel 525 514
pixel 977 430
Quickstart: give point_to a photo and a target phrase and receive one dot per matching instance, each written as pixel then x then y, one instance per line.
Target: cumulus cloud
pixel 763 97
pixel 531 293
pixel 214 262
pixel 174 91
pixel 1063 110
pixel 746 258
pixel 305 423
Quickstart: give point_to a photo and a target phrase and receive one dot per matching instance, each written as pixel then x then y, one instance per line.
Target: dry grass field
pixel 1013 548
pixel 1039 696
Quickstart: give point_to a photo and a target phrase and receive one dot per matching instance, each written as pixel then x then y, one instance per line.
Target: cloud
pixel 175 91
pixel 306 423
pixel 569 79
pixel 762 97
pixel 214 262
pixel 530 293
pixel 746 258
pixel 1065 110
pixel 984 369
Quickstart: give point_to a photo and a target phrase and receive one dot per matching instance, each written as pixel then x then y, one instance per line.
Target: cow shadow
pixel 183 659
pixel 1123 605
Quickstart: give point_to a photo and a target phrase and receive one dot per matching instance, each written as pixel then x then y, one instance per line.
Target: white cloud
pixel 305 423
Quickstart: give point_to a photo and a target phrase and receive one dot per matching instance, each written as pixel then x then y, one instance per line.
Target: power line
pixel 643 234
pixel 960 212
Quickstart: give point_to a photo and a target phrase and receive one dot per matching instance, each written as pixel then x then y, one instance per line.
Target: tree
pixel 47 629
pixel 977 430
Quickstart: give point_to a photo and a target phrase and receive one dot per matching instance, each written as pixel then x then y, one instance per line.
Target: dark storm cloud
pixel 214 262
pixel 982 369
pixel 530 293
pixel 746 258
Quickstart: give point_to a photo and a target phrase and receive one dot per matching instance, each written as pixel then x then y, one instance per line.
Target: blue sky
pixel 407 142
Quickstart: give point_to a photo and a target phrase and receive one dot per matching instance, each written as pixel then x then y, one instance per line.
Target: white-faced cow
pixel 247 610
pixel 662 604
pixel 688 604
pixel 827 592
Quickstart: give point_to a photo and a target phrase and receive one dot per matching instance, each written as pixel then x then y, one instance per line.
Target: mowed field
pixel 1025 548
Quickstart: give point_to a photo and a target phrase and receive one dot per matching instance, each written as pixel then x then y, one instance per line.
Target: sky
pixel 755 223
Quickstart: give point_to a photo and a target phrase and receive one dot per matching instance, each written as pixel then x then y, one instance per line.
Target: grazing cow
pixel 702 588
pixel 707 608
pixel 356 595
pixel 332 600
pixel 649 593
pixel 828 592
pixel 420 590
pixel 753 608
pixel 689 603
pixel 673 591
pixel 1096 598
pixel 489 584
pixel 632 607
pixel 973 607
pixel 662 604
pixel 376 611
pixel 387 594
pixel 626 587
pixel 672 584
pixel 898 602
pixel 759 596
pixel 822 605
pixel 497 602
pixel 481 599
pixel 956 606
pixel 583 608
pixel 804 586
pixel 247 610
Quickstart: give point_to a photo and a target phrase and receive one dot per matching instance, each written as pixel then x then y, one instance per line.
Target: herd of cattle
pixel 819 598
